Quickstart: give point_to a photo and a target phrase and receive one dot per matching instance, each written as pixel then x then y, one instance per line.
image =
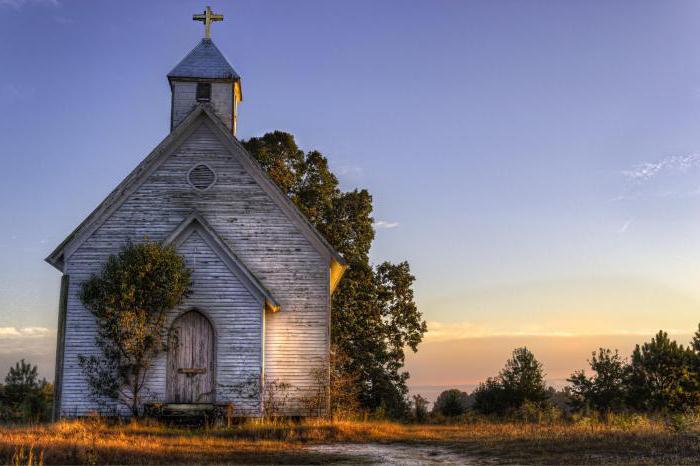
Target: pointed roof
pixel 201 114
pixel 204 61
pixel 195 222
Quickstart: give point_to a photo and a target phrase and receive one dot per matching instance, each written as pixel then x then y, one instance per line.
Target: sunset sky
pixel 537 163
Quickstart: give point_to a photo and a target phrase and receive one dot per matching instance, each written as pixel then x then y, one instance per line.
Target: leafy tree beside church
pixel 129 299
pixel 374 314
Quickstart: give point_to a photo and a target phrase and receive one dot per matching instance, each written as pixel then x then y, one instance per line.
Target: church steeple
pixel 205 75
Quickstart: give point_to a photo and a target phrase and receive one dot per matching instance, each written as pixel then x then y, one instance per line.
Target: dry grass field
pixel 636 441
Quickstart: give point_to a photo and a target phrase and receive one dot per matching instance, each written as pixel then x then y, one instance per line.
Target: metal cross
pixel 207 18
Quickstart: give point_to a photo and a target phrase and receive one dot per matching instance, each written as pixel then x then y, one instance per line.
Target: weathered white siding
pixel 236 316
pixel 254 228
pixel 185 99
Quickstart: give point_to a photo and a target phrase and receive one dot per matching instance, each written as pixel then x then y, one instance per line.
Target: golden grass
pixel 641 441
pixel 94 442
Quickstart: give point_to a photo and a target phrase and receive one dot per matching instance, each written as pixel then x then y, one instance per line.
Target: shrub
pixel 662 376
pixel 130 299
pixel 520 381
pixel 490 397
pixel 608 389
pixel 24 397
pixel 451 403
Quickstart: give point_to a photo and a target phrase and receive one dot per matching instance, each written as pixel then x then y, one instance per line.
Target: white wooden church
pixel 262 276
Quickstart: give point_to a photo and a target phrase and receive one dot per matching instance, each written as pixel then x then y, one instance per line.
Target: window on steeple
pixel 203 92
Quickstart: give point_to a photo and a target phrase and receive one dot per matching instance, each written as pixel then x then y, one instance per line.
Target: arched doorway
pixel 190 372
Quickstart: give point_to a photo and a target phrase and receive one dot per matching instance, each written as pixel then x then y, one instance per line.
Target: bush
pixel 608 389
pixel 129 299
pixel 490 397
pixel 663 377
pixel 520 381
pixel 451 403
pixel 537 413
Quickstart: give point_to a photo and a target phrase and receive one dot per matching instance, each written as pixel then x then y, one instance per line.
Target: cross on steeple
pixel 207 18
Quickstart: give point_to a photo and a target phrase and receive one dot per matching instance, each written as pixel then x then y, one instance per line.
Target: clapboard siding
pixel 236 316
pixel 185 100
pixel 253 226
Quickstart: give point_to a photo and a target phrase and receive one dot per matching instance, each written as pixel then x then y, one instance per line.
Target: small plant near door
pixel 129 299
pixel 275 397
pixel 335 391
pixel 273 394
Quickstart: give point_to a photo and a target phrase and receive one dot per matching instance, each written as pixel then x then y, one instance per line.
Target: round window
pixel 201 177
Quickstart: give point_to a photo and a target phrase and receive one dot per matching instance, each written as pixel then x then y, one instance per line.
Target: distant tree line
pixel 660 376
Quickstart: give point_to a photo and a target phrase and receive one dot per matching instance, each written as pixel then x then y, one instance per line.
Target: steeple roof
pixel 204 61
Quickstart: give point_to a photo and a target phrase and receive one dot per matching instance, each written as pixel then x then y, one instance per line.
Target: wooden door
pixel 190 373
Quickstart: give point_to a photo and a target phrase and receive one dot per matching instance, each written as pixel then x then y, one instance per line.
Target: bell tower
pixel 205 76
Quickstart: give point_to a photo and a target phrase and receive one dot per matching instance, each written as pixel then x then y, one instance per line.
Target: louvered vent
pixel 201 177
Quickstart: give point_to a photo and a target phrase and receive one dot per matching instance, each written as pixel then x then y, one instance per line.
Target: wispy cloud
pixel 624 227
pixel 17 4
pixel 24 332
pixel 384 225
pixel 450 331
pixel 446 331
pixel 673 177
pixel 34 344
pixel 673 163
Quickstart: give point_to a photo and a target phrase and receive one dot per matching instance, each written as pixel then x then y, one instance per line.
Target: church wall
pixel 270 245
pixel 237 318
pixel 185 99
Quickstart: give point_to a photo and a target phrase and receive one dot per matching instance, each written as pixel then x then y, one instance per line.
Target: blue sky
pixel 538 163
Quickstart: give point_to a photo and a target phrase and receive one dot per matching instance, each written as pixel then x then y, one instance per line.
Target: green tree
pixel 130 298
pixel 605 391
pixel 490 397
pixel 695 342
pixel 453 402
pixel 662 376
pixel 25 397
pixel 523 378
pixel 374 314
pixel 520 381
pixel 420 408
pixel 695 360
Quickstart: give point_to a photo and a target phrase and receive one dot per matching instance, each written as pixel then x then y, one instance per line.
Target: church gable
pixel 200 140
pixel 243 214
pixel 195 226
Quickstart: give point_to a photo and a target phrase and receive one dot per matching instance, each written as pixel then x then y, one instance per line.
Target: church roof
pixel 204 61
pixel 157 156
